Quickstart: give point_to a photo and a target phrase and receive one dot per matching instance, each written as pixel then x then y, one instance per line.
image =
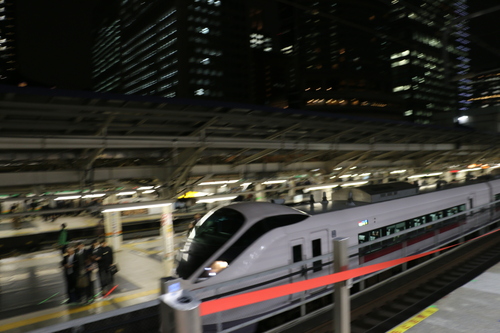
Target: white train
pixel 242 239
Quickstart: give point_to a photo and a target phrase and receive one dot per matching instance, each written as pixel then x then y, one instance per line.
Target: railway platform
pixel 471 308
pixel 33 292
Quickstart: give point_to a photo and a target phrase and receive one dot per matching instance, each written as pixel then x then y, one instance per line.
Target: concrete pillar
pixel 167 235
pixel 260 195
pixel 113 229
pixel 291 191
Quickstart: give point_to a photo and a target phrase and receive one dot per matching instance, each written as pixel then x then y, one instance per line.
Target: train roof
pixel 255 210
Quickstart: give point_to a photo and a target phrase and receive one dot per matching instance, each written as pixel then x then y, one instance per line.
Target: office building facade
pixel 399 60
pixel 8 49
pixel 184 49
pixel 429 67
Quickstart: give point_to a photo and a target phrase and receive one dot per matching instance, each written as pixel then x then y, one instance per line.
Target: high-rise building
pixel 178 48
pixel 269 77
pixel 399 59
pixel 8 53
pixel 429 66
pixel 339 59
pixel 486 90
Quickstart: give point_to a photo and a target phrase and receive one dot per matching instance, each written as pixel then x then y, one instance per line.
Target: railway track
pixel 391 302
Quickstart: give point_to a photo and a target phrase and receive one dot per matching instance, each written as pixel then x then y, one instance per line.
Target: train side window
pixel 297 253
pixel 363 237
pixel 374 234
pixel 316 252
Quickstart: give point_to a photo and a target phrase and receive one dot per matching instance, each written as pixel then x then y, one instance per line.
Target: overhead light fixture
pixel 142 188
pixel 274 182
pixel 211 200
pixel 97 195
pixel 346 176
pixel 354 184
pixel 69 197
pixel 324 187
pixel 148 191
pixel 220 182
pixel 426 175
pixel 120 209
pixel 467 170
pixel 126 193
pixel 397 171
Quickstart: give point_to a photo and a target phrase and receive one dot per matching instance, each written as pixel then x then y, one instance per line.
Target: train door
pixel 297 254
pixel 472 217
pixel 319 247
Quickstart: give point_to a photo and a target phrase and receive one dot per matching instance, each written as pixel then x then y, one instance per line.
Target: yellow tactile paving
pixel 101 303
pixel 414 320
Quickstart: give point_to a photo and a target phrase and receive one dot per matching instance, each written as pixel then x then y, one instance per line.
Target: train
pixel 242 239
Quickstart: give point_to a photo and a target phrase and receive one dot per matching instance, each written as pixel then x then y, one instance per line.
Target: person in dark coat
pixel 97 258
pixel 92 272
pixel 81 271
pixel 105 263
pixel 62 239
pixel 70 264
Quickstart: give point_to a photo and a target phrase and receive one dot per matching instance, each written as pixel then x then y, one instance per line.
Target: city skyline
pixel 62 43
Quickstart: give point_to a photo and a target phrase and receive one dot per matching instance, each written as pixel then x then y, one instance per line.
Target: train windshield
pixel 209 235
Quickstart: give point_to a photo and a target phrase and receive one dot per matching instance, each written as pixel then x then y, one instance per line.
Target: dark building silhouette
pixel 8 43
pixel 429 69
pixel 486 90
pixel 404 60
pixel 184 49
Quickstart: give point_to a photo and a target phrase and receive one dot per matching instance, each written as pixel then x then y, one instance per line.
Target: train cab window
pixel 210 234
pixel 316 252
pixel 256 231
pixel 297 253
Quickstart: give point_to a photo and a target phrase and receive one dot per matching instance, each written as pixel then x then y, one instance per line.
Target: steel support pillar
pixel 342 307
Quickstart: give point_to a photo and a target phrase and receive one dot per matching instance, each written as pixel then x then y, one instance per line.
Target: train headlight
pixel 216 267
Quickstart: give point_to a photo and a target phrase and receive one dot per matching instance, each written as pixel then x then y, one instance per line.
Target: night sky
pixel 54 40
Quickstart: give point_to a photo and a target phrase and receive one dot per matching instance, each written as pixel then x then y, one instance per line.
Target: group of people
pixel 88 271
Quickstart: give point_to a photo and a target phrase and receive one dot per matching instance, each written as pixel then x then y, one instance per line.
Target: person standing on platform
pixel 97 258
pixel 92 272
pixel 106 262
pixel 69 263
pixel 81 271
pixel 62 240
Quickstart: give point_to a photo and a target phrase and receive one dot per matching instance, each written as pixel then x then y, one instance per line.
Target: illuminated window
pixel 401 88
pixel 400 63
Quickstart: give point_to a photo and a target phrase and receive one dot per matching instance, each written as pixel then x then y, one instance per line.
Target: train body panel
pixel 271 236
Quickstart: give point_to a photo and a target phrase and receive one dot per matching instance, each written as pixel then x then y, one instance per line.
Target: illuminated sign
pixel 362 223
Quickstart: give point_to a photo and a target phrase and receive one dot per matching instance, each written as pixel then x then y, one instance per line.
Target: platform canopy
pixel 70 138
